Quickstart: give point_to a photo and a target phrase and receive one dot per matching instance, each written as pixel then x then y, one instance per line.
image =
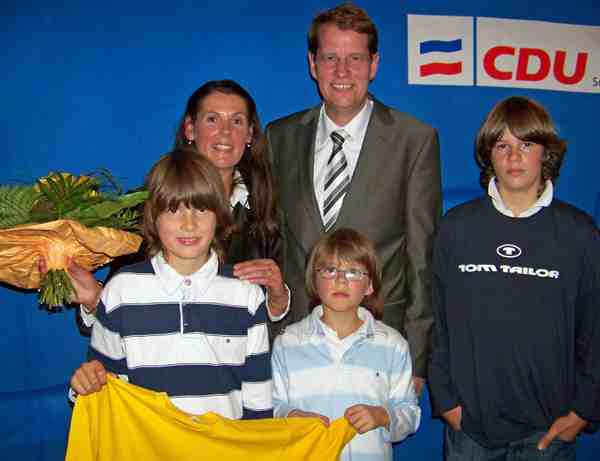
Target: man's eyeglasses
pixel 352 61
pixel 352 275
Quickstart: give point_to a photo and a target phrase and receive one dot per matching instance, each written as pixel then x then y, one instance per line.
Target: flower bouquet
pixel 59 218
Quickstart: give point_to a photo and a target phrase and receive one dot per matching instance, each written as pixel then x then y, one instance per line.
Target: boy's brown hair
pixel 185 177
pixel 527 120
pixel 346 245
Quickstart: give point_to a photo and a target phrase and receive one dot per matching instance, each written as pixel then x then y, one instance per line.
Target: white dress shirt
pixel 355 132
pixel 239 194
pixel 544 200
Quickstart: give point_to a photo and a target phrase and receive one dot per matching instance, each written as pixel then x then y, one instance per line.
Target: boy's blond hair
pixel 346 245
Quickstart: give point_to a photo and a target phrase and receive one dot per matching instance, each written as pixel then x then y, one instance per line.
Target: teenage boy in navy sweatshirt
pixel 515 368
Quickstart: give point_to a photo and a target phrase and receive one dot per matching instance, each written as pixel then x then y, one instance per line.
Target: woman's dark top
pixel 245 245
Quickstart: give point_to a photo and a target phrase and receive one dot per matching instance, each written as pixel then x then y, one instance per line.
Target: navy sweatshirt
pixel 517 319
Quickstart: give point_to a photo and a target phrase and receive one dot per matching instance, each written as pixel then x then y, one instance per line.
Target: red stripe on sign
pixel 440 68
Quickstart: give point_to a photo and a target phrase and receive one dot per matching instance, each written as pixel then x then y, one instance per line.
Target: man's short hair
pixel 346 17
pixel 527 120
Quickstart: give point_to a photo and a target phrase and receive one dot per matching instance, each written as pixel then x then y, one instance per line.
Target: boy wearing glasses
pixel 341 362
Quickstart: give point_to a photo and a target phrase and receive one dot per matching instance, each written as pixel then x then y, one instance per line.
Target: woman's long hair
pixel 253 167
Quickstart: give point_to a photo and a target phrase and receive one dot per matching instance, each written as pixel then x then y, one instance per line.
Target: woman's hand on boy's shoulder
pixel 89 378
pixel 267 273
pixel 264 272
pixel 308 414
pixel 365 418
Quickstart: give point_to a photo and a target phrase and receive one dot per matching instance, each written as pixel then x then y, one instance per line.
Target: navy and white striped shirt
pixel 201 338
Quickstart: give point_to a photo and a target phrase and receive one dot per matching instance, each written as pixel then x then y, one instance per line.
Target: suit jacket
pixel 394 198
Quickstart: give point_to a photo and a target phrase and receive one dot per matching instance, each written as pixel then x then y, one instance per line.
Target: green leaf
pixel 100 210
pixel 16 203
pixel 99 214
pixel 133 198
pixel 64 196
pixel 50 193
pixel 106 176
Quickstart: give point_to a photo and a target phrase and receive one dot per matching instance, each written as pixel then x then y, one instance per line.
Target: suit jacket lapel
pixel 307 217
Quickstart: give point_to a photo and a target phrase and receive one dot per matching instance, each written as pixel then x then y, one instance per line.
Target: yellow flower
pixel 72 180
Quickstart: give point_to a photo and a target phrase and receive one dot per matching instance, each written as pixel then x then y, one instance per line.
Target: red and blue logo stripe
pixel 440 68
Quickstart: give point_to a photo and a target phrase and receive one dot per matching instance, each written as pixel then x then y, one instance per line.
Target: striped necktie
pixel 336 181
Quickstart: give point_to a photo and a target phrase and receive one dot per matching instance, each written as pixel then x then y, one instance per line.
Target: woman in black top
pixel 220 122
pixel 238 152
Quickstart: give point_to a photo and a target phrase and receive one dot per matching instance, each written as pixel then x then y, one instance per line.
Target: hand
pixel 365 418
pixel 418 383
pixel 309 414
pixel 454 418
pixel 87 288
pixel 565 428
pixel 265 272
pixel 89 378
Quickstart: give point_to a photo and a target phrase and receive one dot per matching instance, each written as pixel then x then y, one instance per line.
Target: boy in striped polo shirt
pixel 179 322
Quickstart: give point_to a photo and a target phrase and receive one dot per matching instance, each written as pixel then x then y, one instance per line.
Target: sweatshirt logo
pixel 508 250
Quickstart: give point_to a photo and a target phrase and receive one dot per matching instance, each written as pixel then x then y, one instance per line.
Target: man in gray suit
pixel 378 173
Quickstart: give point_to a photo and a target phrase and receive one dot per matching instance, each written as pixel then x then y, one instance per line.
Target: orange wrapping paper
pixel 57 241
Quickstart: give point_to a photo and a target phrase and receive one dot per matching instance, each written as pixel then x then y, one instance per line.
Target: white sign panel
pixel 536 54
pixel 440 50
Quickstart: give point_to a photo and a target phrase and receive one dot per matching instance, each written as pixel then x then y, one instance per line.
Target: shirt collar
pixel 355 129
pixel 543 201
pixel 172 281
pixel 240 193
pixel 315 332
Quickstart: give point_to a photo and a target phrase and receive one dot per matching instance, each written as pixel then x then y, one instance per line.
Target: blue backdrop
pixel 86 86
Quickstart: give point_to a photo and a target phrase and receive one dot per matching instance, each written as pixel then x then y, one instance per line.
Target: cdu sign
pixel 537 54
pixel 509 53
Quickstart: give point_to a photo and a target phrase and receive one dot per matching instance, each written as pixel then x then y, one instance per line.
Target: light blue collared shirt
pixel 313 370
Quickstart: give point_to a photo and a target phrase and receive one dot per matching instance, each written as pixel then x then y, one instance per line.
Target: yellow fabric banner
pixel 124 422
